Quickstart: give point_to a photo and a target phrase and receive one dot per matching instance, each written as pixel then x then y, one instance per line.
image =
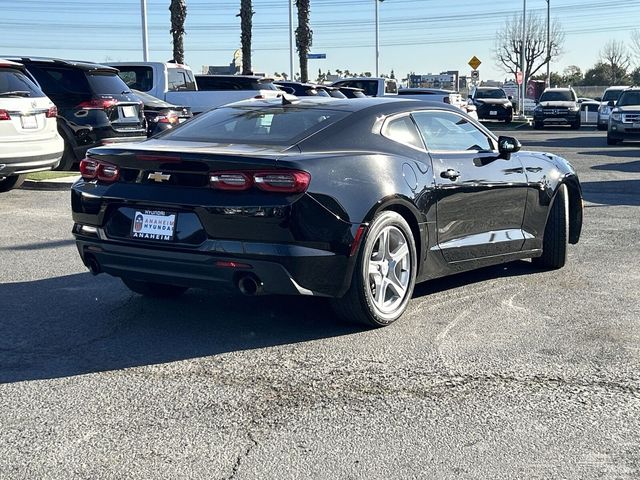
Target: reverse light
pixel 52 112
pixel 97 104
pixel 4 115
pixel 91 169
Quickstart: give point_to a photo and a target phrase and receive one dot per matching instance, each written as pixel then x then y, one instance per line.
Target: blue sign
pixel 316 56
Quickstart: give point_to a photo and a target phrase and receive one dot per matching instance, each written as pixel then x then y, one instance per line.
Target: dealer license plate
pixel 493 112
pixel 129 111
pixel 29 121
pixel 153 225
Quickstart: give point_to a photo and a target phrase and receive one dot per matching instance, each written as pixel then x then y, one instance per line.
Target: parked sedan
pixel 29 139
pixel 355 200
pixel 161 115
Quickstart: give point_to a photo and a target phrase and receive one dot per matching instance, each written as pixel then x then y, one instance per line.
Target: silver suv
pixel 624 121
pixel 611 94
pixel 29 139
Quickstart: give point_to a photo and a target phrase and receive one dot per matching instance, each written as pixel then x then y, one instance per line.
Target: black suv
pixel 95 107
pixel 492 104
pixel 557 106
pixel 624 121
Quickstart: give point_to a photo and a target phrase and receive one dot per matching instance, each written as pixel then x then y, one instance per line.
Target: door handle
pixel 451 174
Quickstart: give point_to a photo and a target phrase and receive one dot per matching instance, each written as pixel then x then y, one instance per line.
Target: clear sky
pixel 424 36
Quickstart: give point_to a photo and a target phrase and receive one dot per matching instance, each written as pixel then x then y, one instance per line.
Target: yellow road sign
pixel 474 62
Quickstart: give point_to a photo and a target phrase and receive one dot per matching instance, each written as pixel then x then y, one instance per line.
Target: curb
pixel 57 184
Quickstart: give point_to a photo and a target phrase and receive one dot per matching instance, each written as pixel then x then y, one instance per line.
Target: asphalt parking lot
pixel 507 372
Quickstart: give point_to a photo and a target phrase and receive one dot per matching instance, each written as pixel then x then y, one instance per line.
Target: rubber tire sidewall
pixel 11 182
pixel 556 233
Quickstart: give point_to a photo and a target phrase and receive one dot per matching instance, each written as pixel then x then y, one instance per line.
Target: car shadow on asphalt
pixel 40 245
pixel 79 324
pixel 613 192
pixel 630 167
pixel 565 142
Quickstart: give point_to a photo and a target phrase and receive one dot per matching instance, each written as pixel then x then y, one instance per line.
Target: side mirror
pixel 510 97
pixel 507 146
pixel 612 103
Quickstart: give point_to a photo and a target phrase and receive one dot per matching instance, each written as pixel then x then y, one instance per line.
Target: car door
pixel 480 195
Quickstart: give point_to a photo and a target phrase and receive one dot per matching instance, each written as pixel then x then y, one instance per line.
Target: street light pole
pixel 291 72
pixel 548 43
pixel 145 41
pixel 377 41
pixel 524 39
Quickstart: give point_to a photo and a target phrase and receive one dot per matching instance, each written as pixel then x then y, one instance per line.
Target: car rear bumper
pixel 280 269
pixel 17 166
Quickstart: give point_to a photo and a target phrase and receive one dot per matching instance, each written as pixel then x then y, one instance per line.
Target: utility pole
pixel 548 43
pixel 377 41
pixel 524 39
pixel 291 54
pixel 145 41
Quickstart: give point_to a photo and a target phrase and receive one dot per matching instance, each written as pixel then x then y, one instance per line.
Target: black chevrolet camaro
pixel 355 200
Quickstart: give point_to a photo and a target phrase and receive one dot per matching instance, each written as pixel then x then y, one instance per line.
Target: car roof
pixel 82 65
pixel 148 64
pixel 617 87
pixel 558 89
pixel 423 89
pixel 9 63
pixel 250 77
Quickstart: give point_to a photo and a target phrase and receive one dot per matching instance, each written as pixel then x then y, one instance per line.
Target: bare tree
pixel 635 44
pixel 303 37
pixel 508 48
pixel 616 57
pixel 246 24
pixel 178 9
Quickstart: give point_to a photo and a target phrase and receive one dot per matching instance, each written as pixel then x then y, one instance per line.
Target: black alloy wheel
pixel 385 274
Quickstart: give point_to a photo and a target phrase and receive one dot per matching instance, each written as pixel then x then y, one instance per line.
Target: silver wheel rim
pixel 389 270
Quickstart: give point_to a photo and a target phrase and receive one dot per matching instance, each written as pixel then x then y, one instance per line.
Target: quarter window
pixel 402 130
pixel 446 131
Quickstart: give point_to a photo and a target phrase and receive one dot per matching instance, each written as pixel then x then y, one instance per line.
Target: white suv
pixel 610 94
pixel 29 139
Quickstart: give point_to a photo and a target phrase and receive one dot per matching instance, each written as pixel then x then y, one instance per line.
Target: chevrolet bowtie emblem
pixel 159 176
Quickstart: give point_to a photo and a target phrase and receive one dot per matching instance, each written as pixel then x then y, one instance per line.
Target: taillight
pixel 230 181
pixel 52 112
pixel 171 118
pixel 97 104
pixel 289 182
pixel 93 169
pixel 4 115
pixel 282 181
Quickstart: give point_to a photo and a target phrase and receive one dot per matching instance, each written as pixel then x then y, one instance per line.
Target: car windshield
pixel 493 93
pixel 611 95
pixel 271 125
pixel 629 98
pixel 558 96
pixel 14 82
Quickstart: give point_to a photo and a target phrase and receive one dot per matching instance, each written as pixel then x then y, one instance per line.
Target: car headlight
pixel 616 117
pixel 574 109
pixel 604 110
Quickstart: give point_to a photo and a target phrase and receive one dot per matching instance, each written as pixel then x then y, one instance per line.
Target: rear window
pixel 61 82
pixel 107 84
pixel 558 96
pixel 629 98
pixel 16 82
pixel 611 95
pixel 492 93
pixel 369 87
pixel 180 80
pixel 255 125
pixel 139 78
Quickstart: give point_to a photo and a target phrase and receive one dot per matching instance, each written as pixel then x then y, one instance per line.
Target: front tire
pixel 152 289
pixel 613 141
pixel 384 275
pixel 556 233
pixel 11 182
pixel 538 125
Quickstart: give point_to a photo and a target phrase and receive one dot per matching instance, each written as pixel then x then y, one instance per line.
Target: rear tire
pixel 68 158
pixel 575 126
pixel 602 127
pixel 613 141
pixel 155 290
pixel 538 125
pixel 384 275
pixel 556 233
pixel 11 182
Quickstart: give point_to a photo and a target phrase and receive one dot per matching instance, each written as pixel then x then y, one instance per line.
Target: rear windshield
pixel 150 100
pixel 611 95
pixel 255 125
pixel 15 83
pixel 107 84
pixel 230 83
pixel 629 98
pixel 558 96
pixel 370 87
pixel 493 93
pixel 140 78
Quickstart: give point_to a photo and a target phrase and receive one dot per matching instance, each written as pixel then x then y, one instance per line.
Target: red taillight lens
pixel 286 182
pixel 171 118
pixel 97 104
pixel 230 181
pixel 91 169
pixel 4 115
pixel 52 112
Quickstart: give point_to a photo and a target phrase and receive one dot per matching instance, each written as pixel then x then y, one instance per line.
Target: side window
pixel 390 86
pixel 402 130
pixel 179 80
pixel 446 131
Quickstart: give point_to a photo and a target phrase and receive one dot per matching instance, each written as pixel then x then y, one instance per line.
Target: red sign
pixel 519 78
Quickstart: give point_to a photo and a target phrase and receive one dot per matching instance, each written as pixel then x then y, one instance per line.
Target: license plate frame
pixel 29 122
pixel 153 225
pixel 493 112
pixel 129 111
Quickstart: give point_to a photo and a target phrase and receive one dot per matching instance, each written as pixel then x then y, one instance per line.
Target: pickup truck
pixel 371 86
pixel 175 83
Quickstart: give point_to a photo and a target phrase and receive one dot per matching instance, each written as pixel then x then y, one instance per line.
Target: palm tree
pixel 303 37
pixel 178 9
pixel 246 23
